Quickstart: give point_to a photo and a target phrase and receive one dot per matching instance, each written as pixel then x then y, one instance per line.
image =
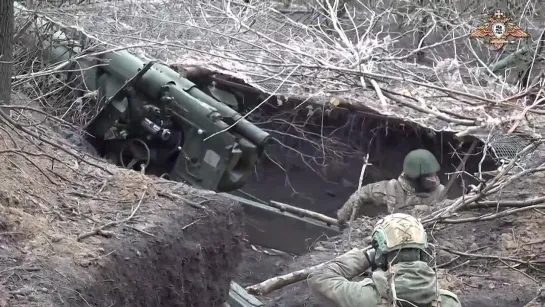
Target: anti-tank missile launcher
pixel 152 117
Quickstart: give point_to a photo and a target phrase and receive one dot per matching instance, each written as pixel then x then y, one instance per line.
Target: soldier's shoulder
pixel 384 183
pixel 449 298
pixel 378 187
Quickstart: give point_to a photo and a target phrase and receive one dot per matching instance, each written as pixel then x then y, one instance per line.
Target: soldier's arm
pixel 332 284
pixel 382 193
pixel 354 201
pixel 389 190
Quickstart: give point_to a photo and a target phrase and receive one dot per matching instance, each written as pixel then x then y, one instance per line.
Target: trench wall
pixel 315 161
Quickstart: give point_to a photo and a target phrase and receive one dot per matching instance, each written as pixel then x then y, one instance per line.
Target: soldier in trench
pixel 399 244
pixel 418 185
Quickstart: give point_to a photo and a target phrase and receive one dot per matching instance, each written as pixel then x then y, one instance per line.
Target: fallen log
pixel 279 282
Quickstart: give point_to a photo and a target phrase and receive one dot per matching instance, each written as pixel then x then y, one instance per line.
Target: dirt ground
pixel 496 262
pixel 73 234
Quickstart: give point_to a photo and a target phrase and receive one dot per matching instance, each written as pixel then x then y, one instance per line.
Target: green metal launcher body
pixel 152 117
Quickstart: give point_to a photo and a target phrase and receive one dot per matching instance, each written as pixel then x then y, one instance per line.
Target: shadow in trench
pixel 315 161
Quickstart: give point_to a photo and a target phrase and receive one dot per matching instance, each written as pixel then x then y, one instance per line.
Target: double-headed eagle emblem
pixel 498 29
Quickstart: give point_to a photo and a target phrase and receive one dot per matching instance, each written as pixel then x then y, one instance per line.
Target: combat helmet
pixel 420 162
pixel 396 232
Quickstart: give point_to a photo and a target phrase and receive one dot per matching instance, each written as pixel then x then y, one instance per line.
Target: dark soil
pixel 190 262
pixel 315 160
pixel 188 259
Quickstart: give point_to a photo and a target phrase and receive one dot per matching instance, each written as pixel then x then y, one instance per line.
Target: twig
pixel 379 94
pixel 7 119
pixel 442 265
pixel 303 212
pixel 460 167
pixel 460 265
pixel 184 200
pixel 520 271
pixel 100 230
pixel 140 231
pixel 533 242
pixel 491 216
pixel 492 186
pixel 522 114
pixel 490 256
pixel 427 110
pixel 360 183
pixel 506 203
pixel 192 223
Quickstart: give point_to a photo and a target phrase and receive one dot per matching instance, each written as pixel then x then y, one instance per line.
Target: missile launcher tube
pixel 125 65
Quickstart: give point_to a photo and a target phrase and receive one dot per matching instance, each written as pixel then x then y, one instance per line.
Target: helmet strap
pixel 422 184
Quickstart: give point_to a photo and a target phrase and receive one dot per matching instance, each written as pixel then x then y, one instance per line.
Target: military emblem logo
pixel 497 31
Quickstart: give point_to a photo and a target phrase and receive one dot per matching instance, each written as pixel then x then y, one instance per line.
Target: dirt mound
pixel 185 264
pixel 73 234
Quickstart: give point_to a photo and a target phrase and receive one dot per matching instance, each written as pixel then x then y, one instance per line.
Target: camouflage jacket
pixel 415 282
pixel 397 195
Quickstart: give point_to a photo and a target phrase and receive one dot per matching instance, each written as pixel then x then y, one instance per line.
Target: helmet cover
pixel 397 231
pixel 420 162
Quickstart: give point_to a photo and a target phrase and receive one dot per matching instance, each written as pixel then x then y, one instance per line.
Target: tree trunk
pixel 6 49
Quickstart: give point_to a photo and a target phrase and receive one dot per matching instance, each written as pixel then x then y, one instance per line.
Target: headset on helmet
pixel 396 232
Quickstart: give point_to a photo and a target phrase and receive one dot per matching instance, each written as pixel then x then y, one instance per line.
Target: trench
pixel 315 161
pixel 316 157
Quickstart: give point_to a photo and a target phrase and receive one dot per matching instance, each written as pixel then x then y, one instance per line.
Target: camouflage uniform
pixel 414 281
pixel 397 195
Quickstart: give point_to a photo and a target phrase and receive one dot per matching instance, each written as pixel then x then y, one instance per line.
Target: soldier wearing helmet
pixel 399 246
pixel 417 185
